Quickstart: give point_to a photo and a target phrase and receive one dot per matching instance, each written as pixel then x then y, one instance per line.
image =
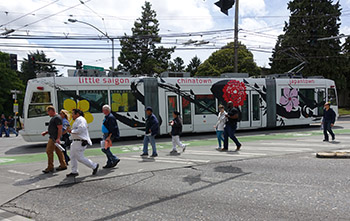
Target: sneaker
pixel 107 166
pixel 115 163
pixel 154 155
pixel 224 149
pixel 94 171
pixel 325 140
pixel 72 175
pixel 60 168
pixel 333 138
pixel 184 148
pixel 144 155
pixel 48 171
pixel 238 148
pixel 173 152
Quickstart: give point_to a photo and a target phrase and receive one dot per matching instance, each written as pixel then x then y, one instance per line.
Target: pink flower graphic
pixel 289 99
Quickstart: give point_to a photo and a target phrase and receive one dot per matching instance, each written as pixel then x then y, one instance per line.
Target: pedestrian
pixel 220 125
pixel 231 126
pixel 81 139
pixel 3 126
pixel 55 133
pixel 65 135
pixel 152 129
pixel 11 126
pixel 176 130
pixel 110 132
pixel 328 121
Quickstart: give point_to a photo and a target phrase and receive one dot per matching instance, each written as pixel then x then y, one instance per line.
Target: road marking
pixel 18 172
pixel 178 159
pixel 156 160
pixel 6 160
pixel 234 154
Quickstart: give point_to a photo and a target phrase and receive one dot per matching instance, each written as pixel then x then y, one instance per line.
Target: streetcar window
pixel 41 97
pixel 38 104
pixel 96 98
pixel 186 111
pixel 332 96
pixel 123 101
pixel 64 95
pixel 207 101
pixel 309 95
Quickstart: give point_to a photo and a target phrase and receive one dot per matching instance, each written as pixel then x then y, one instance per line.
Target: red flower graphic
pixel 235 91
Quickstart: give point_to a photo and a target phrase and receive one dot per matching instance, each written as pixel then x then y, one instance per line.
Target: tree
pixel 222 61
pixel 192 67
pixel 309 21
pixel 29 73
pixel 177 65
pixel 9 80
pixel 139 53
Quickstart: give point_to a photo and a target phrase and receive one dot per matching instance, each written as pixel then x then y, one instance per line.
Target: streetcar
pixel 268 102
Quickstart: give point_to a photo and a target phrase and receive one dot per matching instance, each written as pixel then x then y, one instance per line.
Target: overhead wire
pixel 29 13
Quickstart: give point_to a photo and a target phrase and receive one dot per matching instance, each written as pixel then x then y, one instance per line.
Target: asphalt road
pixel 276 176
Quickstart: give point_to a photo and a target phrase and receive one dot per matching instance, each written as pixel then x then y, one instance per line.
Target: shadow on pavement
pixel 174 196
pixel 31 148
pixel 34 179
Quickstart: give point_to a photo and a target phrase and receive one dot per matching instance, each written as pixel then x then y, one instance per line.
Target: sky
pixel 260 22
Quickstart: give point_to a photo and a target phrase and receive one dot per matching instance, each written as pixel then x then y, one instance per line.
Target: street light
pixel 103 33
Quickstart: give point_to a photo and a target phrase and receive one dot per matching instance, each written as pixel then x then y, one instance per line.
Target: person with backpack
pixel 110 132
pixel 176 130
pixel 233 117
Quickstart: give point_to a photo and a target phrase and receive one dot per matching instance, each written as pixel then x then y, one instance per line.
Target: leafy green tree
pixel 29 73
pixel 139 53
pixel 222 61
pixel 177 65
pixel 309 21
pixel 9 80
pixel 192 67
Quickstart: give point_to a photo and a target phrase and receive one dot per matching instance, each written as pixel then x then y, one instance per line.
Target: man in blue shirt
pixel 152 129
pixel 110 132
pixel 328 121
pixel 3 125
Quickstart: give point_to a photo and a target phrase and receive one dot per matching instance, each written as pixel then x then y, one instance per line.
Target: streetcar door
pixel 186 115
pixel 172 104
pixel 255 110
pixel 245 112
pixel 321 98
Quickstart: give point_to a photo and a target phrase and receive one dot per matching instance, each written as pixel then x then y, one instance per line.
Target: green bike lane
pixel 121 149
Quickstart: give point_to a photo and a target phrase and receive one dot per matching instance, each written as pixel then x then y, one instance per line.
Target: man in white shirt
pixel 81 139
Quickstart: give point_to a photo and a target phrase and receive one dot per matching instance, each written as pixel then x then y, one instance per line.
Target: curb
pixel 339 155
pixel 9 216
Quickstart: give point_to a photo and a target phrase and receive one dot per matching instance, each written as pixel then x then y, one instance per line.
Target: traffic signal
pixel 31 62
pixel 78 64
pixel 13 62
pixel 225 5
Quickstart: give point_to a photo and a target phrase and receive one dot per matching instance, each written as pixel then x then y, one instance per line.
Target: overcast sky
pixel 261 21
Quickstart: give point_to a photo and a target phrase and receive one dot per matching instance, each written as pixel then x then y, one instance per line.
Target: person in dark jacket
pixel 11 126
pixel 110 132
pixel 328 121
pixel 176 130
pixel 3 126
pixel 231 126
pixel 152 129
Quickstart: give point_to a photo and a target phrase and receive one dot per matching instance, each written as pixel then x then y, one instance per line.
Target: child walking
pixel 220 125
pixel 176 130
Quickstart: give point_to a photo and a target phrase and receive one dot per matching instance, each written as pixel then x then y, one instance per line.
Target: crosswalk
pixel 200 155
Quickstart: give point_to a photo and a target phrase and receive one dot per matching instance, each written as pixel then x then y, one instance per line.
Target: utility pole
pixel 236 36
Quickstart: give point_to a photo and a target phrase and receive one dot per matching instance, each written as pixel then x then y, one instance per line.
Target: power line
pixel 16 19
pixel 74 6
